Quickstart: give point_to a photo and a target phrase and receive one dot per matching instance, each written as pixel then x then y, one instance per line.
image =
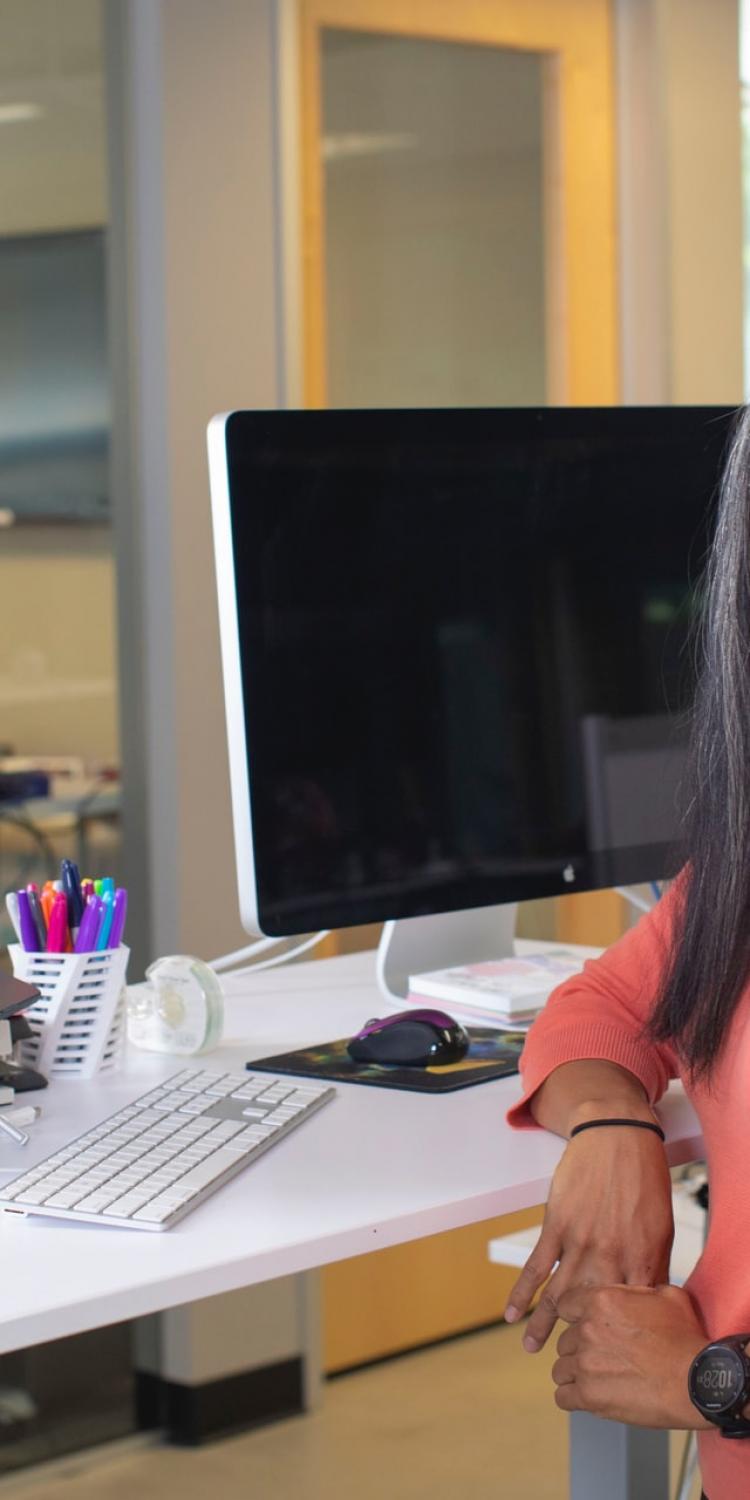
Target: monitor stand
pixel 414 945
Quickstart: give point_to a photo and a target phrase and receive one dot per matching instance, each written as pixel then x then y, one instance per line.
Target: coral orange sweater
pixel 601 1013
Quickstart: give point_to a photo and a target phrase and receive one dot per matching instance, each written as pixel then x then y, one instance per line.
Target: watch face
pixel 717 1380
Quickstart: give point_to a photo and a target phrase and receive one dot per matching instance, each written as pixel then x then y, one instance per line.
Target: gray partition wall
pixel 195 328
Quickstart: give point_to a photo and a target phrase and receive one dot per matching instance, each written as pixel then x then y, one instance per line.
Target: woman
pixel 670 1000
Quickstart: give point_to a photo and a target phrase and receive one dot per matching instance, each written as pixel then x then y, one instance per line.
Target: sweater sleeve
pixel 602 1012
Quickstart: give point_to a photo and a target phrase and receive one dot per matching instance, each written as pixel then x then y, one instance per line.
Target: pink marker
pixel 57 936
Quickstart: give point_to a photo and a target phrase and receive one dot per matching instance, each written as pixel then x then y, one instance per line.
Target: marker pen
pixel 37 915
pixel 72 890
pixel 108 906
pixel 57 936
pixel 86 940
pixel 11 903
pixel 29 934
pixel 118 919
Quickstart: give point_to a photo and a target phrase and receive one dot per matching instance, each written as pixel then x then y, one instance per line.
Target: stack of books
pixel 505 992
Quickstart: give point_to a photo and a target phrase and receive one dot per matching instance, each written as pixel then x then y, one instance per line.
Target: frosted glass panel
pixel 432 156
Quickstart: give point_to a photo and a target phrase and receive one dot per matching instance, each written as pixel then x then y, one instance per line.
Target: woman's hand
pixel 627 1353
pixel 608 1220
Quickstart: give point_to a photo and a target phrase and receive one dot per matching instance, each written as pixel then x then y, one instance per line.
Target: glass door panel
pixel 433 191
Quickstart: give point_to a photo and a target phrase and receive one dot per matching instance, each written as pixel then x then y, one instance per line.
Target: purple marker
pixel 29 934
pixel 87 932
pixel 118 917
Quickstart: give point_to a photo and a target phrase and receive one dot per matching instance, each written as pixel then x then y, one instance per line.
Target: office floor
pixel 473 1418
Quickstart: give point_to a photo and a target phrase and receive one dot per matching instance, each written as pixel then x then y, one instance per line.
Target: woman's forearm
pixel 609 1212
pixel 586 1090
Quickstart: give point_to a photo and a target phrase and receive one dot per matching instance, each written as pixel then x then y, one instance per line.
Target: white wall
pixel 196 331
pixel 702 99
pixel 680 200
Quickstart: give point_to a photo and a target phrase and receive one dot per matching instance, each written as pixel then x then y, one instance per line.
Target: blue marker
pixel 108 904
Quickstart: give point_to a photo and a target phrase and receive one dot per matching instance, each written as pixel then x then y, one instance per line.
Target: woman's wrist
pixel 628 1107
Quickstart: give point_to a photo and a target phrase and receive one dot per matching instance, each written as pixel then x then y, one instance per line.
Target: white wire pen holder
pixel 79 1019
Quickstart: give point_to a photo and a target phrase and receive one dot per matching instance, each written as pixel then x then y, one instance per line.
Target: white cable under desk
pixel 376 1167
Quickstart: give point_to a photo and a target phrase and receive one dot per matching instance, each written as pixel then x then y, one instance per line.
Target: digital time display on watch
pixel 719 1384
pixel 719 1380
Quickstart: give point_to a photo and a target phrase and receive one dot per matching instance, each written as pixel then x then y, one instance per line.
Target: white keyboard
pixel 146 1166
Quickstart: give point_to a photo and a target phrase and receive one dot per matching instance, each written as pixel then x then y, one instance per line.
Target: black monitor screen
pixel 466 651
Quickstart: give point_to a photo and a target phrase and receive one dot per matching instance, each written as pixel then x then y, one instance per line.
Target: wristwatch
pixel 719 1384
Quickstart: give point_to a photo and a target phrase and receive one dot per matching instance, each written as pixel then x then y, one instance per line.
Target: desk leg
pixel 619 1462
pixel 225 1363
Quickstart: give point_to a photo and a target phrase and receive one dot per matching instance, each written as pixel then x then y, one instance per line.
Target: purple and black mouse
pixel 411 1039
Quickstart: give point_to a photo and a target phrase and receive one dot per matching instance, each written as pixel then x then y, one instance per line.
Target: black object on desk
pixel 22 1079
pixel 491 1054
pixel 16 996
pixel 415 1038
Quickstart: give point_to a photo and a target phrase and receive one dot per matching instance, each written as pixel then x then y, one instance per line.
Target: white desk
pixel 374 1168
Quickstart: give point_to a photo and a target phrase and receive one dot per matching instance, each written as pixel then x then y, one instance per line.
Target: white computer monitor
pixel 422 615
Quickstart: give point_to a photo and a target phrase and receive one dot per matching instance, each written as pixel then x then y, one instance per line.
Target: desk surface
pixel 374 1168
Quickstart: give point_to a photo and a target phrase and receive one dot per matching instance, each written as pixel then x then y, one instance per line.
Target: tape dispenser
pixel 179 1008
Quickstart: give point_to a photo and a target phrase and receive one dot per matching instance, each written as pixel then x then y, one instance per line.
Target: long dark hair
pixel 709 961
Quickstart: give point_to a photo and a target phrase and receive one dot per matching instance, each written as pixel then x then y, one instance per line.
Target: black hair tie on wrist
pixel 639 1125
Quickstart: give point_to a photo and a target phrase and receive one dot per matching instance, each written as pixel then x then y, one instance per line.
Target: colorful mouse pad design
pixel 492 1054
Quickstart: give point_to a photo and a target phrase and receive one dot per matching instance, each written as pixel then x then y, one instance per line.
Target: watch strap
pixel 739 1427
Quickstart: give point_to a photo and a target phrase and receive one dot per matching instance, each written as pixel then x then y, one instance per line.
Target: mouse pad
pixel 491 1054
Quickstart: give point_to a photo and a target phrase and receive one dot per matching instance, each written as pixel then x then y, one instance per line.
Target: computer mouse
pixel 412 1039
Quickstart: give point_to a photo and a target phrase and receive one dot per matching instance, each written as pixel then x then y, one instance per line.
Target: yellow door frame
pixel 582 334
pixel 576 38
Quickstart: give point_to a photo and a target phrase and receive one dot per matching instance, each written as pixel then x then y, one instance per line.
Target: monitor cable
pixel 228 960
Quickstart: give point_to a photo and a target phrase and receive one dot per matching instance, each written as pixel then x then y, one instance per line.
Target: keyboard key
pixel 156 1211
pixel 253 1136
pixel 122 1208
pixel 206 1171
pixel 33 1195
pixel 94 1204
pixel 65 1199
